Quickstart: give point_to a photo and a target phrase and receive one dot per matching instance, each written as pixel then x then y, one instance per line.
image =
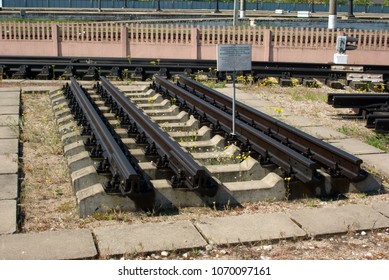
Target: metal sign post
pixel 233 58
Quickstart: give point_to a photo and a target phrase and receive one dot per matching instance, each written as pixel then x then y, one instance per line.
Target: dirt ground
pixel 48 202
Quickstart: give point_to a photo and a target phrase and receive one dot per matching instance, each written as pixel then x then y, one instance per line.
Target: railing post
pixel 194 40
pixel 125 43
pixel 267 42
pixel 55 38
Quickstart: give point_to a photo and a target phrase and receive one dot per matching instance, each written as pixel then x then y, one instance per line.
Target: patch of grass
pixel 380 141
pixel 66 207
pixel 42 131
pixel 311 202
pixel 45 191
pixel 112 215
pixel 349 130
pixel 215 84
pixel 302 95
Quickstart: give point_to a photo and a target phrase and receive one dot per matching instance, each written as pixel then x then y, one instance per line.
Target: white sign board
pixel 233 57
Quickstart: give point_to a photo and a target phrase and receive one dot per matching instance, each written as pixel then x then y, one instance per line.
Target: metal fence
pixel 173 4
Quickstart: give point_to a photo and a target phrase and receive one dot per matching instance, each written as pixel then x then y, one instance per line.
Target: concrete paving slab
pixel 377 163
pixel 5 90
pixel 228 90
pixel 8 164
pixel 50 245
pixel 299 121
pixel 13 93
pixel 382 207
pixel 323 221
pixel 9 110
pixel 11 100
pixel 7 132
pixel 256 102
pixel 8 219
pixel 355 146
pixel 248 228
pixel 324 133
pixel 9 120
pixel 9 146
pixel 128 239
pixel 8 186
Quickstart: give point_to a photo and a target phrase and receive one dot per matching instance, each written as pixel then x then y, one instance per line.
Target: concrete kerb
pixel 248 228
pixel 327 221
pixel 150 237
pixel 8 216
pixel 49 245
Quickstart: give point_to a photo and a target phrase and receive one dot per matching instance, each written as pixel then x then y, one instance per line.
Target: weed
pixel 379 87
pixel 58 192
pixel 245 80
pixel 294 81
pixel 66 207
pixel 302 95
pixel 380 141
pixel 266 82
pixel 125 74
pixel 215 84
pixel 287 187
pixel 362 195
pixel 195 251
pixel 311 202
pixel 349 130
pixel 278 110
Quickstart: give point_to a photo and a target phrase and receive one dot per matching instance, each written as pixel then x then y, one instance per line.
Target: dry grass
pixel 47 200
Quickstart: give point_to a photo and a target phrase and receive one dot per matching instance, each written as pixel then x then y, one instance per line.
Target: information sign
pixel 233 57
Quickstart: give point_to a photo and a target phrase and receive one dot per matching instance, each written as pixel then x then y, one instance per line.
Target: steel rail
pixel 289 160
pixel 130 181
pixel 194 176
pixel 174 66
pixel 328 156
pixel 357 100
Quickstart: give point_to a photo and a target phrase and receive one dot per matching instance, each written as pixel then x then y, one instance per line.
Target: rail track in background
pixel 372 107
pixel 49 68
pixel 182 129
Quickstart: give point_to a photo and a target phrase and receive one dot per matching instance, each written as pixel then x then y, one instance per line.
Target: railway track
pixel 372 107
pixel 142 69
pixel 327 156
pixel 182 134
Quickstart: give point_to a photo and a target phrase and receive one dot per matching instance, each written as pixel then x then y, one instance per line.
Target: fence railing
pixel 281 37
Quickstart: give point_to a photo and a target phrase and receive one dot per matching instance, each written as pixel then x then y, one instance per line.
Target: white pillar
pixel 242 11
pixel 332 15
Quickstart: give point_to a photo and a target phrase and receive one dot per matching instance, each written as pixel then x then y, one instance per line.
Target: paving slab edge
pixel 101 253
